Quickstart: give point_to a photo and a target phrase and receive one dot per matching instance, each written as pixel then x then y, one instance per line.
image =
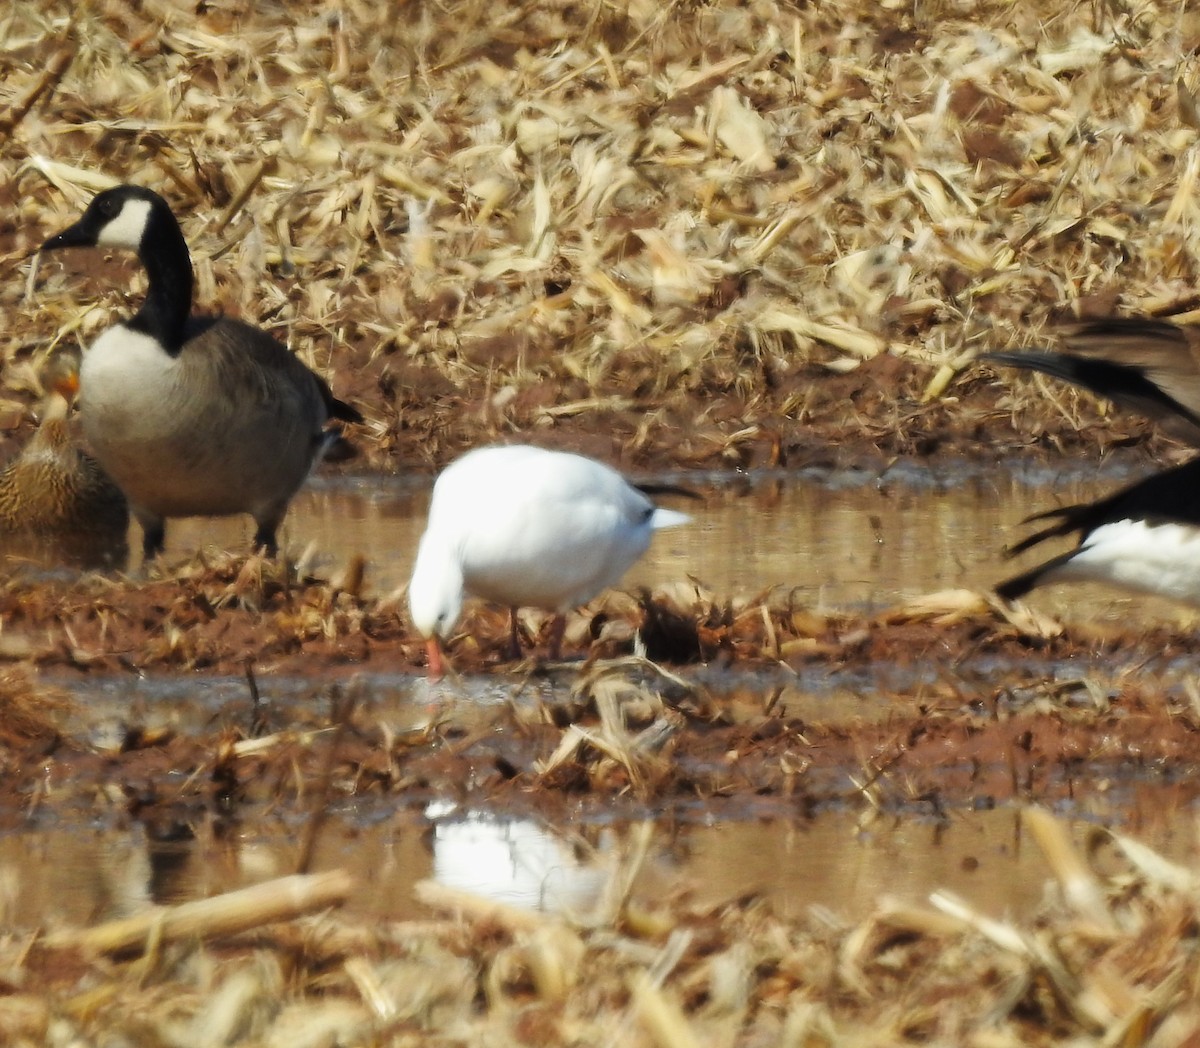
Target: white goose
pixel 192 415
pixel 526 527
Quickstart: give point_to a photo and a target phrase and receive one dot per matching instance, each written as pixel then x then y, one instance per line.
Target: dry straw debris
pixel 1106 961
pixel 218 611
pixel 708 232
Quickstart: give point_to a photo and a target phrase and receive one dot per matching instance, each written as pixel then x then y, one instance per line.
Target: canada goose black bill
pixel 1146 365
pixel 1144 538
pixel 526 527
pixel 192 415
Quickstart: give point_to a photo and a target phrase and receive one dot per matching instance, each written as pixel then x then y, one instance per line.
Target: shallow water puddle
pixel 838 861
pixel 846 538
pixel 105 707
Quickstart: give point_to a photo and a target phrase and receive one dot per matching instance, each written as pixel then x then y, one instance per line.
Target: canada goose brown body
pixel 192 416
pixel 1146 365
pixel 231 424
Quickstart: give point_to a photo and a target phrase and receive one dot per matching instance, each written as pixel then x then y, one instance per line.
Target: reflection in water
pixel 76 875
pixel 841 540
pixel 64 555
pixel 514 861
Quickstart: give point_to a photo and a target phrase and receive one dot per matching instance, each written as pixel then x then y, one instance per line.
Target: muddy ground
pixel 991 718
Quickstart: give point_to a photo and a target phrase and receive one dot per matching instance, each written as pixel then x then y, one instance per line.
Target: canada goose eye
pixel 107 207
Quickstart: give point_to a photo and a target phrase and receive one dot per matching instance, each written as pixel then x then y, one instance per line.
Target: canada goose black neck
pixel 138 219
pixel 168 304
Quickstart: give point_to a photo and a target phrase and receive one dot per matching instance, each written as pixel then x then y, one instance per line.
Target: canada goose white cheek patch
pixel 1152 558
pixel 127 228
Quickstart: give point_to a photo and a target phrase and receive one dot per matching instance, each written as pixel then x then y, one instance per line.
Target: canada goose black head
pixel 138 219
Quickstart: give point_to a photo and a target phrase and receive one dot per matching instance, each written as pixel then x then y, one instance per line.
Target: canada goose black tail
pixel 1019 585
pixel 339 409
pixel 335 408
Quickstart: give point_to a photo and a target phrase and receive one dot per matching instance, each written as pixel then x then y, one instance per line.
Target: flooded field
pixel 828 861
pixel 800 782
pixel 847 542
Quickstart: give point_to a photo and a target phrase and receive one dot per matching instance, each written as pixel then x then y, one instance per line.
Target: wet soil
pixel 216 691
pixel 986 707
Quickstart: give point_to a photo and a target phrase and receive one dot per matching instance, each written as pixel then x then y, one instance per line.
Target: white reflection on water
pixel 80 874
pixel 511 861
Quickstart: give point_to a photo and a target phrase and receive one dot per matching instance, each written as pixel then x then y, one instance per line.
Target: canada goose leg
pixel 264 538
pixel 154 533
pixel 514 638
pixel 558 626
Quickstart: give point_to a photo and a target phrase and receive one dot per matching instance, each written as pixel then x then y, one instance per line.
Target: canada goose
pixel 1149 366
pixel 1145 537
pixel 192 415
pixel 526 527
pixel 54 494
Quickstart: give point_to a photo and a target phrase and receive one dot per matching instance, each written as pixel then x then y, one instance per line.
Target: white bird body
pixel 1161 559
pixel 1145 538
pixel 527 527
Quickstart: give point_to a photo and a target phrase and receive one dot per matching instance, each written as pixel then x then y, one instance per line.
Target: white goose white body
pixel 526 527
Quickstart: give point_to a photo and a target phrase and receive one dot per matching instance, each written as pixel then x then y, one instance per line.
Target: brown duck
pixel 54 494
